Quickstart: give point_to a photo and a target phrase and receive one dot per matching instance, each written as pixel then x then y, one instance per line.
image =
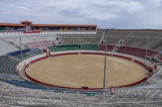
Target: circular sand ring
pixel 86 70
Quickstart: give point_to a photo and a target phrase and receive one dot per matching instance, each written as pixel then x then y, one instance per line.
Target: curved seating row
pixel 26 53
pixel 138 52
pixel 109 47
pixel 30 85
pixel 7 65
pixel 39 44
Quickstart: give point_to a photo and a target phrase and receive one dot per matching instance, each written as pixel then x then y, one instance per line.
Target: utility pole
pixel 20 45
pixel 105 66
pixel 146 53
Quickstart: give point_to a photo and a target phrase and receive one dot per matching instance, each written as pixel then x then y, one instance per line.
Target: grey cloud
pixel 104 13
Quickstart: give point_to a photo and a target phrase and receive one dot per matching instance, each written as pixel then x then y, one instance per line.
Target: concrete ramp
pixel 6 47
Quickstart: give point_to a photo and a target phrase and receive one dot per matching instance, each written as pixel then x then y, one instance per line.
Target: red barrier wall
pixel 132 84
pixel 65 54
pixel 32 32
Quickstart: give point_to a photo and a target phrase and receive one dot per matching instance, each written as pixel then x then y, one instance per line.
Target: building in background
pixel 28 26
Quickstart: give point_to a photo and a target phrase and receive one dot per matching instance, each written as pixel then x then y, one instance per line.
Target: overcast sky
pixel 133 14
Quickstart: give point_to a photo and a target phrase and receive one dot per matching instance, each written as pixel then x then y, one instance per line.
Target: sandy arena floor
pixel 86 70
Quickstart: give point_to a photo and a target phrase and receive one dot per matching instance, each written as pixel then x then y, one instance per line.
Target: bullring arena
pixel 65 66
pixel 76 71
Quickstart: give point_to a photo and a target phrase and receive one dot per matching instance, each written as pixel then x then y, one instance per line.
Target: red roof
pixel 55 25
pixel 44 25
pixel 26 22
pixel 10 24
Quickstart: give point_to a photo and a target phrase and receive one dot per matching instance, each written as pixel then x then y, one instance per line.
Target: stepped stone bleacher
pixel 89 46
pixel 69 47
pixel 6 47
pixel 22 83
pixel 64 47
pixel 136 39
pixel 35 51
pixel 81 38
pixel 27 40
pixel 138 52
pixel 109 47
pixel 7 65
pixel 17 54
pixel 131 38
pixel 26 53
pixel 40 44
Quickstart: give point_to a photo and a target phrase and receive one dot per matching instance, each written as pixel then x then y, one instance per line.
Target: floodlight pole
pixel 20 46
pixel 105 61
pixel 105 67
pixel 146 47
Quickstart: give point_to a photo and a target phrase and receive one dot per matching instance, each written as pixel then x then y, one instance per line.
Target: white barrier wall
pixel 3 34
pixel 26 61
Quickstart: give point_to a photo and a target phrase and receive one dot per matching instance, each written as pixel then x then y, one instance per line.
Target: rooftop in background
pixel 26 22
pixel 28 26
pixel 132 29
pixel 47 25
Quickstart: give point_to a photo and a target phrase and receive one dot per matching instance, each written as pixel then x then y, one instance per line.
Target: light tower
pixel 104 78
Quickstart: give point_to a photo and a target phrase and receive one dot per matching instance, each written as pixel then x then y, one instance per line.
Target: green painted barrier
pixel 89 47
pixel 73 47
pixel 90 94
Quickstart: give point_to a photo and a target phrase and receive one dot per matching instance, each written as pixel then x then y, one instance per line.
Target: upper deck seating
pixel 20 54
pixel 7 65
pixel 35 51
pixel 64 47
pixel 138 52
pixel 109 47
pixel 89 46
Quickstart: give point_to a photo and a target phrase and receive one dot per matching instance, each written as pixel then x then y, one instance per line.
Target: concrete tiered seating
pixel 26 53
pixel 138 52
pixel 64 47
pixel 24 84
pixel 17 54
pixel 160 57
pixel 109 47
pixel 39 44
pixel 81 38
pixel 136 39
pixel 69 47
pixel 35 51
pixel 26 39
pixel 6 47
pixel 89 46
pixel 7 65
